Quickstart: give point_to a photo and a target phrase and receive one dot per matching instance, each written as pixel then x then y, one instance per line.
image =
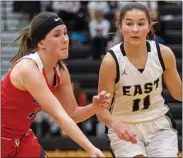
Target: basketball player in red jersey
pixel 38 80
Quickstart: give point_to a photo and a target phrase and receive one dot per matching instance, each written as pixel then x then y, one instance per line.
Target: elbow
pixel 73 116
pixel 177 96
pixel 75 119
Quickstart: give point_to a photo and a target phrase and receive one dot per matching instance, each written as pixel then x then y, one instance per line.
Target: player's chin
pixel 64 54
pixel 137 42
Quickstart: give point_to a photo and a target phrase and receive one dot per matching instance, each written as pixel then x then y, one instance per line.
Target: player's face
pixel 135 26
pixel 56 42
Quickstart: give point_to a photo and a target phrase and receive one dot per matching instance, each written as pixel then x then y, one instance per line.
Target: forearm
pixel 106 118
pixel 176 91
pixel 83 113
pixel 74 133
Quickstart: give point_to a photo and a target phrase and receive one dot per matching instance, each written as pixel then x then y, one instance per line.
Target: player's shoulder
pixel 22 70
pixel 108 62
pixel 25 66
pixel 166 52
pixel 112 53
pixel 167 55
pixel 165 49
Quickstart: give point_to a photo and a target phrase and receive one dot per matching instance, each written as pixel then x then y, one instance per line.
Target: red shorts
pixel 26 146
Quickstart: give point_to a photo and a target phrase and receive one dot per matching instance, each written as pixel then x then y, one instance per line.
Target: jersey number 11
pixel 136 103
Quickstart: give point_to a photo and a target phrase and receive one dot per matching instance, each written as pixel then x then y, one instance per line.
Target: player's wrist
pixel 90 147
pixel 113 124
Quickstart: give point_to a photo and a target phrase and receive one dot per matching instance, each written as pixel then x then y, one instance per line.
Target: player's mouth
pixel 135 37
pixel 64 49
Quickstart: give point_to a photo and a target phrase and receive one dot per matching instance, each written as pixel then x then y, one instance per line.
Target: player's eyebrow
pixel 142 19
pixel 131 19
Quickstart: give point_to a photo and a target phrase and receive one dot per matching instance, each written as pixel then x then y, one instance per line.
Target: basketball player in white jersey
pixel 132 71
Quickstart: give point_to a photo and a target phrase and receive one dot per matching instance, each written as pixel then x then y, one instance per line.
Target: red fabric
pixel 18 108
pixel 82 99
pixel 28 147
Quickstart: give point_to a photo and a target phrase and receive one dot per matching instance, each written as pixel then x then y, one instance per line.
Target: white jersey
pixel 34 56
pixel 138 95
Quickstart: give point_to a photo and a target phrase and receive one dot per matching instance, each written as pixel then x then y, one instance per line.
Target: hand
pixel 95 152
pixel 124 132
pixel 101 101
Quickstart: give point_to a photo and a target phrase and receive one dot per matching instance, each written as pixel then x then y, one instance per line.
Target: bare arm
pixel 107 82
pixel 170 75
pixel 33 81
pixel 107 76
pixel 66 97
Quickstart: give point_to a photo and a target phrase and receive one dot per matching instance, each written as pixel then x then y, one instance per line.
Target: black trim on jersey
pixel 106 129
pixel 141 70
pixel 169 114
pixel 111 149
pixel 148 46
pixel 122 49
pixel 124 53
pixel 160 57
pixel 111 103
pixel 117 65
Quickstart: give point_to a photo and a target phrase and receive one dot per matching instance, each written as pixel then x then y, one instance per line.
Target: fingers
pixel 102 94
pixel 101 101
pixel 96 97
pixel 107 96
pixel 128 136
pixel 100 154
pixel 105 104
pixel 97 153
pixel 124 132
pixel 131 136
pixel 105 101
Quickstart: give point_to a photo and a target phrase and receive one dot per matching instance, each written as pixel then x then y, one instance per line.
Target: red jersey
pixel 18 107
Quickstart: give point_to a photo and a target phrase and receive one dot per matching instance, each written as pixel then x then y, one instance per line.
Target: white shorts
pixel 154 139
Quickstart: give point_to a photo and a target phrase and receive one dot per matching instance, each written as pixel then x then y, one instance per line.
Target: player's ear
pixel 149 27
pixel 41 44
pixel 120 29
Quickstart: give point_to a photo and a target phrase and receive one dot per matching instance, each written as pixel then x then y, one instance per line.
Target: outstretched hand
pixel 101 101
pixel 124 132
pixel 95 152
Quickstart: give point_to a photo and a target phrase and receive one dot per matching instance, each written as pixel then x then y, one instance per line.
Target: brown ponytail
pixel 26 46
pixel 150 35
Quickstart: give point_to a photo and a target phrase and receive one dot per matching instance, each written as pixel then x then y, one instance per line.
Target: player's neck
pixel 48 62
pixel 135 51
